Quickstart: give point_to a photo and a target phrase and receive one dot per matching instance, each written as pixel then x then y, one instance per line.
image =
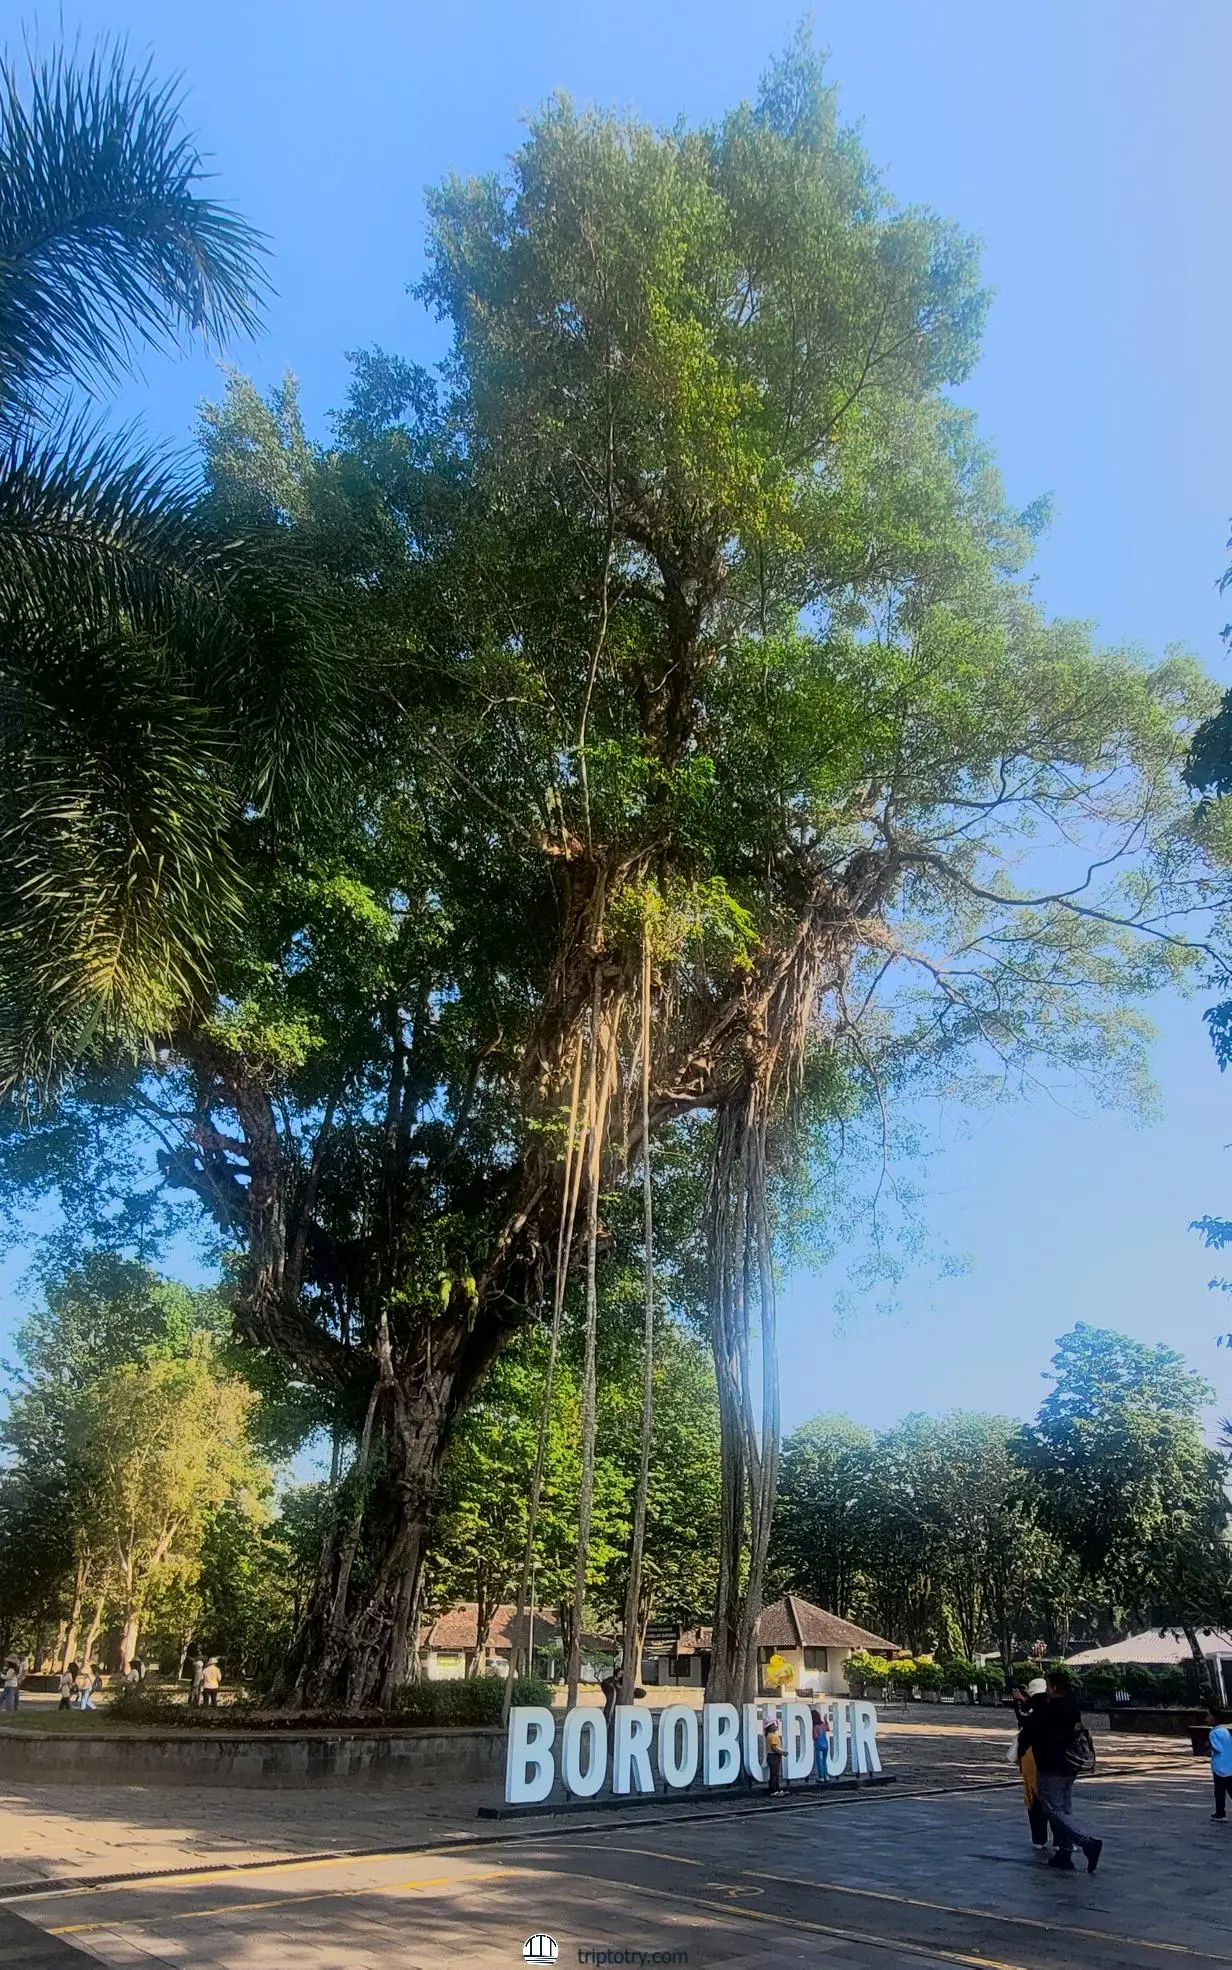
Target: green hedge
pixel 904 1674
pixel 479 1700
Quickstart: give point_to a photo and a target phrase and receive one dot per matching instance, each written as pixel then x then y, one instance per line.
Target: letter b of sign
pixel 529 1770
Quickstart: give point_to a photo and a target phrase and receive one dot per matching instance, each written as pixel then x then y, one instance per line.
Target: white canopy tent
pixel 1167 1646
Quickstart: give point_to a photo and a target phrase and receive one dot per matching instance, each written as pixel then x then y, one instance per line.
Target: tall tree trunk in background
pixel 602 1068
pixel 74 1619
pixel 128 1639
pixel 519 1654
pixel 485 1608
pixel 633 1623
pixel 96 1628
pixel 1202 1667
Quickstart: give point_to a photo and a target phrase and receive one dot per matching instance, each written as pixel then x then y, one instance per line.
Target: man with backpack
pixel 1063 1751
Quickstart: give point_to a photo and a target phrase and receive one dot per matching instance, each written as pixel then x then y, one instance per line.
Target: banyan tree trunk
pixel 742 1310
pixel 360 1643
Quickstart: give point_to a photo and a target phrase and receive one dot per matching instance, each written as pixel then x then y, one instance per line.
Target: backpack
pixel 1080 1753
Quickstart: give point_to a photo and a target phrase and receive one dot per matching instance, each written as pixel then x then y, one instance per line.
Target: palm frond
pixel 116 878
pixel 106 243
pixel 88 531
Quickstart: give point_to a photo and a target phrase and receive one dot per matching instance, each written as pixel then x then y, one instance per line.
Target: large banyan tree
pixel 711 712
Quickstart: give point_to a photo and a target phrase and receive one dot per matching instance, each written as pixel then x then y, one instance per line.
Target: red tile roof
pixel 795 1623
pixel 459 1630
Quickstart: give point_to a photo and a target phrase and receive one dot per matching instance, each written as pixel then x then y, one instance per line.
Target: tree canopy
pixel 686 622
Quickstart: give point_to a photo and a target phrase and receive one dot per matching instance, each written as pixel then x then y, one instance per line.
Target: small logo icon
pixel 540 1949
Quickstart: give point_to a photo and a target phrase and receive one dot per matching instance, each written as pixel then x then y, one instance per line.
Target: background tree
pixel 126 1433
pixel 1127 1484
pixel 162 1444
pixel 826 1524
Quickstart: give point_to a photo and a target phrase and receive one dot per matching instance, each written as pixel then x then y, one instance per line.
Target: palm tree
pixel 140 709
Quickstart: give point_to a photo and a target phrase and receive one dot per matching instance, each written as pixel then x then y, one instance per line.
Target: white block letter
pixel 632 1753
pixel 678 1744
pixel 529 1771
pixel 579 1724
pixel 865 1756
pixel 840 1737
pixel 797 1727
pixel 720 1744
pixel 754 1764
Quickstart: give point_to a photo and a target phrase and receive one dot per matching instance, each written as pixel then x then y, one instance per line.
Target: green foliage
pixel 965 1532
pixel 1124 1478
pixel 476 1700
pixel 164 680
pixel 150 1704
pixel 129 1434
pixel 480 1534
pixel 684 597
pixel 532 1689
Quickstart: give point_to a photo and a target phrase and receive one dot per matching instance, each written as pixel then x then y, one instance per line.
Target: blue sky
pixel 1083 144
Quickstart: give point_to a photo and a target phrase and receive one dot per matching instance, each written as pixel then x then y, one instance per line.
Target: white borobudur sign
pixel 715 1745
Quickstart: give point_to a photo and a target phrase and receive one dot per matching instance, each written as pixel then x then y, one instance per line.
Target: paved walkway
pixel 61 1831
pixel 935 1871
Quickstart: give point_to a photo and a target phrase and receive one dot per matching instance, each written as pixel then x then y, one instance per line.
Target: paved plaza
pixel 936 1870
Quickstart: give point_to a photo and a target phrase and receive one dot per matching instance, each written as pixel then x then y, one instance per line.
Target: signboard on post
pixel 713 1746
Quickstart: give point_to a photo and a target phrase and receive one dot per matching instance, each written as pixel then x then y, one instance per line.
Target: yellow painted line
pixel 739 1912
pixel 645 1853
pixel 282 1901
pixel 987 1914
pixel 133 1883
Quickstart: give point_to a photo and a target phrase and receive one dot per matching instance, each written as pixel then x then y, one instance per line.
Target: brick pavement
pixel 930 1873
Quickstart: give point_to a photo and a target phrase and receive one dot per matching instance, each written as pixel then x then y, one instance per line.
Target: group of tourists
pixel 80 1683
pixel 1053 1749
pixel 205 1681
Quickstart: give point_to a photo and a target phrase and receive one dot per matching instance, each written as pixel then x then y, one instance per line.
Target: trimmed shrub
pixel 476 1701
pixel 532 1689
pixel 142 1705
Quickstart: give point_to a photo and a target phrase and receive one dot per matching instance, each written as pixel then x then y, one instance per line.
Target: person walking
pixel 821 1746
pixel 1037 1819
pixel 12 1683
pixel 67 1679
pixel 197 1671
pixel 84 1685
pixel 211 1683
pixel 1219 1738
pixel 1062 1748
pixel 774 1753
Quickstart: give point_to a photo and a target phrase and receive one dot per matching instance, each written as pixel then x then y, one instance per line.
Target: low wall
pixel 1155 1723
pixel 980 1717
pixel 252 1758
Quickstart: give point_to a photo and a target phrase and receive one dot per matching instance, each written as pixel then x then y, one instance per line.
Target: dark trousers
pixel 1222 1788
pixel 210 1699
pixel 1056 1790
pixel 774 1760
pixel 1038 1820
